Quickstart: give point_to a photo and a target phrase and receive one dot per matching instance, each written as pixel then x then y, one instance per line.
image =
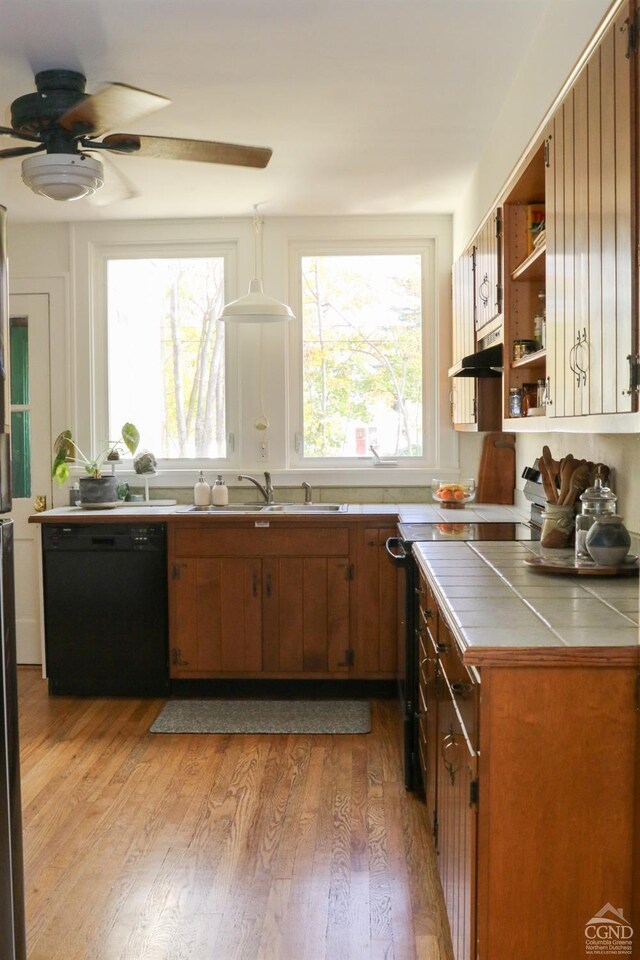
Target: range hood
pixel 484 363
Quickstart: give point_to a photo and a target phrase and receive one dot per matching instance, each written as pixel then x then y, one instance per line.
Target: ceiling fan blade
pixel 10 132
pixel 117 187
pixel 112 107
pixel 205 151
pixel 20 151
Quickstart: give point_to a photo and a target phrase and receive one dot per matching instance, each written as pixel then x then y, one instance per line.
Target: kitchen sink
pixel 270 508
pixel 307 507
pixel 229 508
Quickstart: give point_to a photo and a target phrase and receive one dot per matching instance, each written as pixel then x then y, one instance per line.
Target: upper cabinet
pixel 488 287
pixel 525 333
pixel 591 283
pixel 477 308
pixel 570 236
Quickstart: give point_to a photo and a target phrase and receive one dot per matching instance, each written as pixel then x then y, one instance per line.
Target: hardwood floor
pixel 156 847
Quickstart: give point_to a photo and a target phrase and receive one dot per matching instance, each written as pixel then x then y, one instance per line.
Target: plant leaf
pixel 60 472
pixel 63 451
pixel 131 437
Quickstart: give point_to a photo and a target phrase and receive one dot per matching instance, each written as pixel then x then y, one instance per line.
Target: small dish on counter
pixel 453 494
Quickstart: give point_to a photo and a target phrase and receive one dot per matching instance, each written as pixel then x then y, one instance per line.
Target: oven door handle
pixel 396 549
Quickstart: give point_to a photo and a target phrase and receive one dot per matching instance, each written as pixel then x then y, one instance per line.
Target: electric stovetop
pixel 466 530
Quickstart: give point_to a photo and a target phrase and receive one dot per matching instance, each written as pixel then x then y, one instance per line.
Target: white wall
pixel 65 250
pixel 563 33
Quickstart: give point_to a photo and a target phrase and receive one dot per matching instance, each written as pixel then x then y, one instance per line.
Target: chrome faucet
pixel 308 492
pixel 266 490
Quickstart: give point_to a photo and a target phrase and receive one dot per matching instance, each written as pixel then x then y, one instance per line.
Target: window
pixel 166 353
pixel 20 407
pixel 362 356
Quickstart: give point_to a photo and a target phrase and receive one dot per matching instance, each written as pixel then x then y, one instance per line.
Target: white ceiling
pixel 370 106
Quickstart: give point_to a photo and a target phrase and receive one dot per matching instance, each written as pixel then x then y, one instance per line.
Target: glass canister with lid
pixel 597 501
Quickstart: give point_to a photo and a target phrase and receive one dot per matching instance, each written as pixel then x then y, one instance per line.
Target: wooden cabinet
pixel 258 599
pixel 376 581
pixel 584 172
pixel 448 743
pixel 529 759
pixel 525 263
pixel 463 394
pixel 477 302
pixel 591 282
pixel 488 283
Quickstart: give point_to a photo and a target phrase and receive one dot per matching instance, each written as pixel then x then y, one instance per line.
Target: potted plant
pixel 95 490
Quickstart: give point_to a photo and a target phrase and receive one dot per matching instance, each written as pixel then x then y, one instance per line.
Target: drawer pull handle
pixel 451 762
pixel 460 689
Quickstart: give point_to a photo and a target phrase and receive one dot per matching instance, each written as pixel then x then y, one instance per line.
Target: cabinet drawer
pixel 255 541
pixel 465 695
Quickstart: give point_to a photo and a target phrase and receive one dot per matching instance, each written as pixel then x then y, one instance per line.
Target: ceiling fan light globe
pixel 63 176
pixel 256 307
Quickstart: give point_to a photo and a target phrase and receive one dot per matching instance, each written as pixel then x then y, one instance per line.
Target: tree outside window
pixel 166 353
pixel 362 354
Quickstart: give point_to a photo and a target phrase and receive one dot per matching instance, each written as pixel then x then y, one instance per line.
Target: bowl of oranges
pixel 453 494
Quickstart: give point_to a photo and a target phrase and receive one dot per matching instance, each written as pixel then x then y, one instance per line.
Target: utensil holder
pixel 558 526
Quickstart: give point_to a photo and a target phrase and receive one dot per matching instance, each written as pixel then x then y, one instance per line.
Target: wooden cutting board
pixel 497 474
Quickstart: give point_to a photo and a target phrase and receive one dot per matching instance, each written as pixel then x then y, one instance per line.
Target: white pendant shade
pixel 256 307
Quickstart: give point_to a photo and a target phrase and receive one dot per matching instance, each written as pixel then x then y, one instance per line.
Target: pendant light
pixel 256 306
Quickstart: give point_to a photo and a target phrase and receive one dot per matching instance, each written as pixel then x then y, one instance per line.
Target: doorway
pixel 30 399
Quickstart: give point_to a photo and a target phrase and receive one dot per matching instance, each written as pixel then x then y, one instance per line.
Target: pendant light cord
pixel 257 252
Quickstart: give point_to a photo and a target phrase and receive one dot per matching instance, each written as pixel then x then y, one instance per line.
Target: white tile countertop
pixel 406 512
pixel 492 601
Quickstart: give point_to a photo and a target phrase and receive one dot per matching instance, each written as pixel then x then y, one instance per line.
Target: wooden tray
pixel 588 568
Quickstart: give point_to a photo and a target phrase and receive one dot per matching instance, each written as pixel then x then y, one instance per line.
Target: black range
pixel 400 551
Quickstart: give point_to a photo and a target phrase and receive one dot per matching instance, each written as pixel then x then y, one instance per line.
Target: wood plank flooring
pixel 156 847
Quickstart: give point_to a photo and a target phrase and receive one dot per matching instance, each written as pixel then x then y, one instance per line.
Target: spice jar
pixel 529 397
pixel 522 347
pixel 515 402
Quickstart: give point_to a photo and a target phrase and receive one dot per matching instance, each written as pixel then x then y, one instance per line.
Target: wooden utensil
pixel 549 487
pixel 566 470
pixel 550 463
pixel 579 482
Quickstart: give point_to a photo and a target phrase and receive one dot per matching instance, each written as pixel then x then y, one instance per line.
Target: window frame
pixel 100 255
pixel 426 249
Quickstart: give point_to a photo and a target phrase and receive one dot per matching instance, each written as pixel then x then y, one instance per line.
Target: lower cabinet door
pixel 216 617
pixel 456 827
pixel 305 615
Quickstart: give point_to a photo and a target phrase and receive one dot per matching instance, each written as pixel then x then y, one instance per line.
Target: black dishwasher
pixel 105 609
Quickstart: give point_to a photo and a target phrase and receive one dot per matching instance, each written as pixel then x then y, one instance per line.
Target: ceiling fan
pixel 64 122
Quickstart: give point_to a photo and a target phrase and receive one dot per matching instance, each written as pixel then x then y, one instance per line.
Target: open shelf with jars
pixel 524 295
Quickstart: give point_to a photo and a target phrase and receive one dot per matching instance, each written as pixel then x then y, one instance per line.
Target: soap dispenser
pixel 201 492
pixel 219 493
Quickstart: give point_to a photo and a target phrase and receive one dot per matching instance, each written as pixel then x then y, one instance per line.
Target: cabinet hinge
pixel 473 793
pixel 350 571
pixel 631 26
pixel 175 571
pixel 499 296
pixel 349 659
pixel 176 658
pixel 498 225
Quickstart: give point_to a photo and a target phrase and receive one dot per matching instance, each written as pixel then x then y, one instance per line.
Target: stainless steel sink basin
pixel 307 507
pixel 229 508
pixel 212 511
